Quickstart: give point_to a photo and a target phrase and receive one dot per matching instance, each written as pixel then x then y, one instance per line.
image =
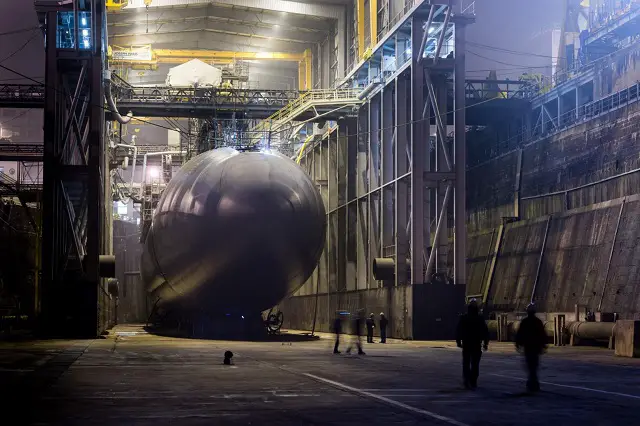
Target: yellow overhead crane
pixel 119 4
pixel 144 57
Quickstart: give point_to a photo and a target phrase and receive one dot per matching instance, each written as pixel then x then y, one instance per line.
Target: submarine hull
pixel 234 232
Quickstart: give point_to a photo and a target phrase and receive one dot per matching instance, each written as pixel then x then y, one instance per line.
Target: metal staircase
pixel 309 106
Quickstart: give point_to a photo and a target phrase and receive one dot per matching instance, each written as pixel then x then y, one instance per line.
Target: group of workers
pixel 472 335
pixel 358 319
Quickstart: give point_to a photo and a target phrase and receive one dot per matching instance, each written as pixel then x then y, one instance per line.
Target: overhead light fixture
pixel 276 26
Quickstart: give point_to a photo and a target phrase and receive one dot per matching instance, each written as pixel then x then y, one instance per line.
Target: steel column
pixel 419 150
pixel 460 161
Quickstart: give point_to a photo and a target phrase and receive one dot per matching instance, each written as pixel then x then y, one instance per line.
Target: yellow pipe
pixel 304 145
pixel 360 17
pixel 373 19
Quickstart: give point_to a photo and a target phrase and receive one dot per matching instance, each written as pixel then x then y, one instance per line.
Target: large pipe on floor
pixel 579 329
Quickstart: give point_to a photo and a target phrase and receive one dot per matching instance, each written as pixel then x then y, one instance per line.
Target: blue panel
pixel 66 34
pixel 65 37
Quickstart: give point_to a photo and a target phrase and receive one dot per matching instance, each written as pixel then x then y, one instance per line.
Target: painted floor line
pixel 626 395
pixel 387 400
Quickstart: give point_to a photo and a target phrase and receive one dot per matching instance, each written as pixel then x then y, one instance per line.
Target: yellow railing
pixel 306 99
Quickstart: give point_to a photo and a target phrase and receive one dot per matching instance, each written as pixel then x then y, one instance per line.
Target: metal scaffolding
pixel 393 179
pixel 75 183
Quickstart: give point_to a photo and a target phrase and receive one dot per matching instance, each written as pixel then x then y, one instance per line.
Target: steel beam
pixel 420 152
pixel 360 27
pixel 460 158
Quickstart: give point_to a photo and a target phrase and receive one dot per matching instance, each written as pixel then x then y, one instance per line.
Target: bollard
pixel 558 330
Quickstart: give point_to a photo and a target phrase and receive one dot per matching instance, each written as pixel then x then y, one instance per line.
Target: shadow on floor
pixel 233 336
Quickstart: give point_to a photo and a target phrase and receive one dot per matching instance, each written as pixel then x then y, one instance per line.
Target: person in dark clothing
pixel 532 338
pixel 371 324
pixel 472 335
pixel 357 330
pixel 383 328
pixel 337 328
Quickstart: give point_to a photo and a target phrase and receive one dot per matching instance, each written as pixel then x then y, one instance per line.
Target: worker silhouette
pixel 532 339
pixel 337 329
pixel 472 335
pixel 371 324
pixel 357 330
pixel 383 328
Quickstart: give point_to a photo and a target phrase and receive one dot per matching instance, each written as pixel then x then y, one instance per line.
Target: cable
pixel 493 60
pixel 514 52
pixel 16 116
pixel 19 49
pixel 17 79
pixel 101 106
pixel 23 30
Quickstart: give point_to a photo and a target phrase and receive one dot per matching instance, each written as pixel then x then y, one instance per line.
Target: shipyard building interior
pixel 205 203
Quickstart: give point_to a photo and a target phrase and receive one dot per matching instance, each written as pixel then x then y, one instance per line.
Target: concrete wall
pixel 583 154
pixel 574 265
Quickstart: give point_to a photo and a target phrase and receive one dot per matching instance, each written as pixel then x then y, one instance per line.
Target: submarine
pixel 234 233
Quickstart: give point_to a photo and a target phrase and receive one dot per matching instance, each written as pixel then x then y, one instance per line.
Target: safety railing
pixel 588 111
pixel 21 94
pixel 498 89
pixel 306 100
pixel 23 150
pixel 205 96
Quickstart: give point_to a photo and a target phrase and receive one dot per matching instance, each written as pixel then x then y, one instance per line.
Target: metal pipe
pixel 439 227
pixel 579 329
pixel 133 169
pixel 111 103
pixel 144 162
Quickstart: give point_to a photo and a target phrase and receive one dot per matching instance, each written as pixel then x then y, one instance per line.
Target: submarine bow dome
pixel 234 232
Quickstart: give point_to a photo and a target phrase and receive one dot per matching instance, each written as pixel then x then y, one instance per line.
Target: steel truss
pixel 74 184
pixel 394 193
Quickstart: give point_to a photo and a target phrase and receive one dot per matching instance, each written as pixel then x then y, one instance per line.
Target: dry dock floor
pixel 135 378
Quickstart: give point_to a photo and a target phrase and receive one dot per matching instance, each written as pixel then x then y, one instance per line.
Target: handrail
pixel 307 98
pixel 592 109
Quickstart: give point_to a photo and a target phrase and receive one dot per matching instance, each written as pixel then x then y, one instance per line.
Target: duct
pixel 107 266
pixel 384 268
pixel 112 105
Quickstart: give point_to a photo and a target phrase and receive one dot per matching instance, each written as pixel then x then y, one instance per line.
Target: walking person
pixel 472 336
pixel 337 329
pixel 371 324
pixel 532 338
pixel 383 328
pixel 357 330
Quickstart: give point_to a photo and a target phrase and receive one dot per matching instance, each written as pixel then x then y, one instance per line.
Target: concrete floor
pixel 133 378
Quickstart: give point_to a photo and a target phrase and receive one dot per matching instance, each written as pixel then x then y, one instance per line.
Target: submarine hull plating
pixel 233 232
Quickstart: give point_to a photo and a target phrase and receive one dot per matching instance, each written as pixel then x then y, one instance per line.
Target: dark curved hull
pixel 234 232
